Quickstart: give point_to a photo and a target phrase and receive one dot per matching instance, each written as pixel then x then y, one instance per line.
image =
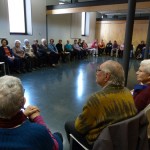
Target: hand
pixel 32 112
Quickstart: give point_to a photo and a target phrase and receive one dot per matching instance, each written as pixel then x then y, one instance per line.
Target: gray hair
pixel 146 65
pixel 116 72
pixel 26 40
pixel 11 96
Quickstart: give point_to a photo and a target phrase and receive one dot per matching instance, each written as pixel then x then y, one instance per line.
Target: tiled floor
pixel 61 92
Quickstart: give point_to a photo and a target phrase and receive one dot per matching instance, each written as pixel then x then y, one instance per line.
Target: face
pixel 27 43
pixel 4 43
pixel 17 44
pixel 142 76
pixel 101 77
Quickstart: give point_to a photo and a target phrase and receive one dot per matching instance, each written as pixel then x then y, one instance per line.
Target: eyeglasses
pixel 98 70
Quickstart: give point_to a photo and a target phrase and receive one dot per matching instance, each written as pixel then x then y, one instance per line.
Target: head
pixel 43 41
pixel 143 74
pixel 68 41
pixel 52 41
pixel 11 96
pixel 60 41
pixel 35 41
pixel 17 43
pixel 26 42
pixel 110 72
pixel 75 41
pixel 4 42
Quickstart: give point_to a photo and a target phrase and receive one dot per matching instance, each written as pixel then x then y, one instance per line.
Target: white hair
pixel 146 65
pixel 17 41
pixel 42 40
pixel 11 96
pixel 26 40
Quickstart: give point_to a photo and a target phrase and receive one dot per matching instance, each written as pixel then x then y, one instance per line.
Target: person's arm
pixel 33 113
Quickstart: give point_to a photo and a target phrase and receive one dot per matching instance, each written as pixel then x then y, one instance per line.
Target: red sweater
pixel 142 98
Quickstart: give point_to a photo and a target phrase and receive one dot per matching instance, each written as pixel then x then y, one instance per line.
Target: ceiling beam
pixel 112 7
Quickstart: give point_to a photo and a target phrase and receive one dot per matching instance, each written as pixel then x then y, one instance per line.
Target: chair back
pixel 129 134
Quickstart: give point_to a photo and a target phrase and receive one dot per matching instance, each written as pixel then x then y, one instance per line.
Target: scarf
pixel 139 87
pixel 16 120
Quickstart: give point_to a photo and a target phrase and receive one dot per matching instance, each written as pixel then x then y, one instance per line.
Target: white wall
pixel 52 2
pixel 38 22
pixel 68 26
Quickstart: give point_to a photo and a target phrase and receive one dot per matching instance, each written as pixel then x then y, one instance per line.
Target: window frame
pixel 25 22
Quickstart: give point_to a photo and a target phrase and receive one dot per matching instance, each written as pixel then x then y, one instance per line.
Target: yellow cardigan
pixel 103 108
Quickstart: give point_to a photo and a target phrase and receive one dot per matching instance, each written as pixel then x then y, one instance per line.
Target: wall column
pixel 146 53
pixel 128 36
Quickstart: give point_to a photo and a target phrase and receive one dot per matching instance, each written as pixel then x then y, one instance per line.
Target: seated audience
pixel 101 47
pixel 77 49
pixel 139 49
pixel 68 48
pixel 19 53
pixel 120 51
pixel 115 48
pixel 7 56
pixel 113 103
pixel 30 54
pixel 141 92
pixel 85 49
pixel 54 55
pixel 108 48
pixel 94 48
pixel 44 53
pixel 61 51
pixel 22 130
pixel 36 47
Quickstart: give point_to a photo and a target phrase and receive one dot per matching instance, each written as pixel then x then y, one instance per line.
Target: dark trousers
pixel 54 57
pixel 70 129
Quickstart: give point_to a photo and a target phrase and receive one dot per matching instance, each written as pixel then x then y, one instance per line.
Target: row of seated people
pixel 30 57
pixel 114 48
pixel 112 104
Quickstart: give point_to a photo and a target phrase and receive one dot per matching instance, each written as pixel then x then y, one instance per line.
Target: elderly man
pixel 110 105
pixel 141 92
pixel 16 131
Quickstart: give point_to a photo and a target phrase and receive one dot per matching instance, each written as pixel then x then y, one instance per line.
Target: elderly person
pixel 141 92
pixel 69 49
pixel 30 54
pixel 54 55
pixel 15 122
pixel 77 50
pixel 20 54
pixel 7 55
pixel 110 105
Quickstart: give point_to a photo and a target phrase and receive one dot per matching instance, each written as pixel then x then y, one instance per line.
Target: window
pixel 83 23
pixel 19 23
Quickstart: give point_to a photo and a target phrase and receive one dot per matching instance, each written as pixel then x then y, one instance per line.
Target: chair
pixel 129 134
pixel 147 112
pixel 3 67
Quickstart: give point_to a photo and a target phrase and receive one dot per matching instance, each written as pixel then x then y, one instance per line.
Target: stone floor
pixel 61 92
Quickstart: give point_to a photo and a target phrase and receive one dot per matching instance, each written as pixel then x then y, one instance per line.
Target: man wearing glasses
pixel 108 106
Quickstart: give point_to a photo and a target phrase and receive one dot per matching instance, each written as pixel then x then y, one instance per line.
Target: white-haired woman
pixel 141 92
pixel 44 52
pixel 20 54
pixel 30 54
pixel 17 132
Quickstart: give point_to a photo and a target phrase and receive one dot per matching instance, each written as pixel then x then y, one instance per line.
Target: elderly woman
pixel 44 52
pixel 17 132
pixel 30 54
pixel 141 92
pixel 20 54
pixel 7 55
